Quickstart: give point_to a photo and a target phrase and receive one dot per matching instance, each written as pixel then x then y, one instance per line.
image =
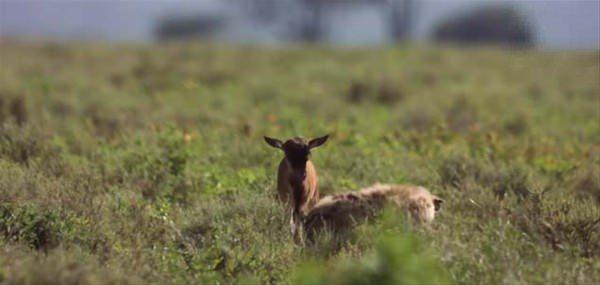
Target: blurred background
pixel 124 160
pixel 555 24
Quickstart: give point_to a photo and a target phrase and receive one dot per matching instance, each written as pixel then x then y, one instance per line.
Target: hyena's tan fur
pixel 342 212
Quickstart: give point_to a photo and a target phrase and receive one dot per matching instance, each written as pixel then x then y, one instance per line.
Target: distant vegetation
pixel 146 164
pixel 500 24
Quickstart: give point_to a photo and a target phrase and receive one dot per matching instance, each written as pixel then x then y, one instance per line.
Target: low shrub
pixel 457 170
pixel 394 260
pixel 22 144
pixel 586 182
pixel 383 91
pixel 40 230
pixel 565 225
pixel 59 266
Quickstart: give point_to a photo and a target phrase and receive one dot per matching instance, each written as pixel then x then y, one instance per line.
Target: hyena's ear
pixel 437 203
pixel 273 142
pixel 317 141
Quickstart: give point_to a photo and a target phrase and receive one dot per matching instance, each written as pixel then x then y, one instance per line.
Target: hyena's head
pixel 424 207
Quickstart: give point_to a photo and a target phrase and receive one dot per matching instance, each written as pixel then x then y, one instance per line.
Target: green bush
pixel 458 170
pixel 394 260
pixel 37 229
pixel 22 144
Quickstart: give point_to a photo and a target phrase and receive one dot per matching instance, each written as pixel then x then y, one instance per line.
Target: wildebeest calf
pixel 297 181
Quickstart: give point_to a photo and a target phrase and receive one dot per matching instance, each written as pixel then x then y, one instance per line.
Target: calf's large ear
pixel 318 141
pixel 437 203
pixel 273 142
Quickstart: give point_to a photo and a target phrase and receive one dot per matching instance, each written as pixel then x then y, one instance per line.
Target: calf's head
pixel 297 150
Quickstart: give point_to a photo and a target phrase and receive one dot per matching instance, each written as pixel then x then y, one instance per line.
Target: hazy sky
pixel 559 23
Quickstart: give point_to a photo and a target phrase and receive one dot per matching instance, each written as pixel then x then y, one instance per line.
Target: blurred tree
pixel 186 27
pixel 402 17
pixel 489 24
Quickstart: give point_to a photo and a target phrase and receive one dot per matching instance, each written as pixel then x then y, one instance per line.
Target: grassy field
pixel 146 164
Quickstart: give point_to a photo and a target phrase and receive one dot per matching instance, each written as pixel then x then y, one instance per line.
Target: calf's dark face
pixel 297 150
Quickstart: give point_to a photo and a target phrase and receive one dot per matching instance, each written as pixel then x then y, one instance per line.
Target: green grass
pixel 147 162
